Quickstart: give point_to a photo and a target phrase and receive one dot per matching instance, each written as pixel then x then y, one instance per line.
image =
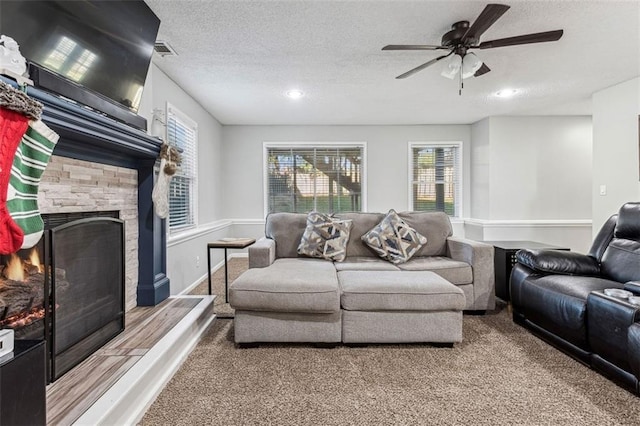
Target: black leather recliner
pixel 559 295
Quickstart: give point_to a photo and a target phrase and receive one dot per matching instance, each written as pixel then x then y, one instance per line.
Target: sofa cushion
pixel 286 230
pixel 288 285
pixel 361 224
pixel 435 226
pixel 393 239
pixel 397 291
pixel 454 271
pixel 325 237
pixel 365 263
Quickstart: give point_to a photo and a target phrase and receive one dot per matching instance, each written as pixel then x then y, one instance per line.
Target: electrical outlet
pixel 197 261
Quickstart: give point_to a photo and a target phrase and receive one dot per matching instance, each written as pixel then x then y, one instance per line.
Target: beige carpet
pixel 500 374
pixel 235 266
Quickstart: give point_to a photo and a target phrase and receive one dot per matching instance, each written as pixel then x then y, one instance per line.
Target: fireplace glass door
pixel 86 284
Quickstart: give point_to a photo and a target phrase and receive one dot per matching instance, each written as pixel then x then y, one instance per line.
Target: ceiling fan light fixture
pixel 470 64
pixel 452 67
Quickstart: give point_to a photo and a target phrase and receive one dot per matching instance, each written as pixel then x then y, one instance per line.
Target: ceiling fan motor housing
pixel 454 37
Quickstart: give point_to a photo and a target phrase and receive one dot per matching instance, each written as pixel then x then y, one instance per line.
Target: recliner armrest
pixel 633 287
pixel 558 262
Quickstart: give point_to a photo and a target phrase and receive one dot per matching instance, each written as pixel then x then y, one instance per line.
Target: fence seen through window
pixel 435 178
pixel 324 179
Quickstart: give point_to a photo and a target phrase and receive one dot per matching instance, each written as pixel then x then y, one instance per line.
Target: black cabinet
pixel 22 385
pixel 505 258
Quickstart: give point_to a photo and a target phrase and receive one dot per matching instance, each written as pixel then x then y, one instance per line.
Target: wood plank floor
pixel 71 395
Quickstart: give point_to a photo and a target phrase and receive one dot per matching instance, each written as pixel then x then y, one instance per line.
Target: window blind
pixel 323 178
pixel 436 178
pixel 182 133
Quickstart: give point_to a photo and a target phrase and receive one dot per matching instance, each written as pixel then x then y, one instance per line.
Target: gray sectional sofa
pixel 285 297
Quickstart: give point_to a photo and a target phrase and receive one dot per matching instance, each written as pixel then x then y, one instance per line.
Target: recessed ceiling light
pixel 295 94
pixel 506 93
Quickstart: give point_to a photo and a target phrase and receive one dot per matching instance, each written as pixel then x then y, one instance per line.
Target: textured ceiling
pixel 238 58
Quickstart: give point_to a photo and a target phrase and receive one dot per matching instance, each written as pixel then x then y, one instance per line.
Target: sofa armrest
pixel 609 319
pixel 480 256
pixel 633 287
pixel 262 253
pixel 558 262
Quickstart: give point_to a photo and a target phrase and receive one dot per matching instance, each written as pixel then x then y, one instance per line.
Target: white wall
pixel 387 161
pixel 540 167
pixel 186 251
pixel 531 180
pixel 525 178
pixel 480 159
pixel 615 149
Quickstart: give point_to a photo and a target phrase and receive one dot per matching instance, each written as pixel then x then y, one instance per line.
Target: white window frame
pixel 193 125
pixel 307 144
pixel 459 197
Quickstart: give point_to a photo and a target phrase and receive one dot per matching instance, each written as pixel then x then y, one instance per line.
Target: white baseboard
pixel 217 266
pixel 129 398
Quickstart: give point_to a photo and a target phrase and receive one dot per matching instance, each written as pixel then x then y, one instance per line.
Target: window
pixel 435 176
pixel 303 177
pixel 182 132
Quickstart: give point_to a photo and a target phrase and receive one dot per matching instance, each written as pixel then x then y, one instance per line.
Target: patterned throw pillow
pixel 393 239
pixel 325 237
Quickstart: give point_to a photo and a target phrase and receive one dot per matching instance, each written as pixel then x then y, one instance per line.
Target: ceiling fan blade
pixel 523 39
pixel 482 70
pixel 412 47
pixel 423 66
pixel 490 14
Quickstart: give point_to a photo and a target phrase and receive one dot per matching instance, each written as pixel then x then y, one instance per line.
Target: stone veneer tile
pixel 70 186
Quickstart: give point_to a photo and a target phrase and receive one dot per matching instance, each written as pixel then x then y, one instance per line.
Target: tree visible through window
pixel 435 178
pixel 324 179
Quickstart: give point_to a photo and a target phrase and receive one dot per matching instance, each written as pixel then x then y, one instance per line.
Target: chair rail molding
pixel 573 233
pixel 529 223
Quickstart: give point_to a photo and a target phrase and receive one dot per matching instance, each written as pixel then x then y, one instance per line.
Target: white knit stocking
pixel 160 194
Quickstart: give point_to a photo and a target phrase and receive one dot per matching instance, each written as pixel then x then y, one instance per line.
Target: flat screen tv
pixel 94 52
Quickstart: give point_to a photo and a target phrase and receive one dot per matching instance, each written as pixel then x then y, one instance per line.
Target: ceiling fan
pixel 462 37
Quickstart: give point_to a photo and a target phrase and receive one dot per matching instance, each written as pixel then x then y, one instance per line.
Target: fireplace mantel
pixel 90 136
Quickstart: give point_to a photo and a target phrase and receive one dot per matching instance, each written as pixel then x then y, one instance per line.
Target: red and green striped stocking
pixel 16 109
pixel 29 163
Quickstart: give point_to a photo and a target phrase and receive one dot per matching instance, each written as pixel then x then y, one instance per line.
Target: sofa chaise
pixel 288 297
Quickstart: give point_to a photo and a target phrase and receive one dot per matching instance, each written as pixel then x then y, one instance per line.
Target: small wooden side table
pixel 226 243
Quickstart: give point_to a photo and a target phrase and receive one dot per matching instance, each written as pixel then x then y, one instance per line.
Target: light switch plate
pixel 603 189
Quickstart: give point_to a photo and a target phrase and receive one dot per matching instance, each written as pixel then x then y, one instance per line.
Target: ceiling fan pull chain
pixel 461 83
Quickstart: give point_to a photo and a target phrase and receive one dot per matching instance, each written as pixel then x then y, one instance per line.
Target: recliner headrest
pixel 628 226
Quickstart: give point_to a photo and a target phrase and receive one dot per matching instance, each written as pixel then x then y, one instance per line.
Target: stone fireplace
pixel 71 186
pixel 102 164
pixel 102 171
